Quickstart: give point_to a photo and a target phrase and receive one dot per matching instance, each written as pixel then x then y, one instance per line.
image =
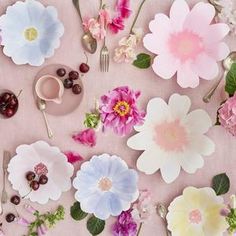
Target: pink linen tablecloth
pixel 28 125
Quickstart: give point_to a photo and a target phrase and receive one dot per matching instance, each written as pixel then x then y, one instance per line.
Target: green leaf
pixel 76 212
pixel 221 184
pixel 95 226
pixel 230 86
pixel 143 61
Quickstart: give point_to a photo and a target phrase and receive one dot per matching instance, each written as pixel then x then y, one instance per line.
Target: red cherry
pixel 43 179
pixel 35 185
pixel 74 75
pixel 84 68
pixel 9 112
pixel 6 96
pixel 30 176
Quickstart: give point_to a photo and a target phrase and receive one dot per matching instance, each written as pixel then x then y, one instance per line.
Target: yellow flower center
pixel 31 34
pixel 195 216
pixel 105 184
pixel 122 108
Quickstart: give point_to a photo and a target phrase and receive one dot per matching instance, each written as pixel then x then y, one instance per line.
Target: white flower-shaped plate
pixel 30 32
pixel 172 138
pixel 27 158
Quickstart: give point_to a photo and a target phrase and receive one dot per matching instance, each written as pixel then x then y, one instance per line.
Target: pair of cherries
pixel 10 217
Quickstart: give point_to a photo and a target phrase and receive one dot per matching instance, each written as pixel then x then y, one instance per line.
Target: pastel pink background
pixel 28 126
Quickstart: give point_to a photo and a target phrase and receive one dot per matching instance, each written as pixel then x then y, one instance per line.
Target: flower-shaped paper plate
pixel 106 186
pixel 187 43
pixel 197 213
pixel 41 159
pixel 30 32
pixel 171 138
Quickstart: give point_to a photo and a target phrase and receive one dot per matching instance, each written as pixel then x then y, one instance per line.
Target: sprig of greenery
pixel 49 220
pixel 231 219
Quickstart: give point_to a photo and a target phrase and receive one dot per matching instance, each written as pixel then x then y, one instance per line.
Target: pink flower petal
pixel 216 33
pixel 123 8
pixel 160 25
pixel 200 17
pixel 165 66
pixel 205 67
pixel 86 137
pixel 219 51
pixel 186 77
pixel 178 13
pixel 73 157
pixel 116 25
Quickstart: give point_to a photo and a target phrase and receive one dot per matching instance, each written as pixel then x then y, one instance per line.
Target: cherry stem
pixel 86 57
pixel 139 229
pixel 20 92
pixel 136 17
pixel 27 194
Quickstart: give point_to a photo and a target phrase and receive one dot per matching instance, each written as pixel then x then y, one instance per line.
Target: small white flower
pixel 30 32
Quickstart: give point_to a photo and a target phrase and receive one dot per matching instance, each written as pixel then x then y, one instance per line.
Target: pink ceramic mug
pixel 50 88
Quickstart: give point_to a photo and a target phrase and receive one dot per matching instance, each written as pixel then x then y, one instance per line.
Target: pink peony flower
pixel 125 225
pixel 187 43
pixel 119 110
pixel 123 8
pixel 116 25
pixel 73 157
pixel 227 115
pixel 86 137
pixel 142 209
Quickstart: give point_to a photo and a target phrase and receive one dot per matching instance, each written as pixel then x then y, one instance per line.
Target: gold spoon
pixel 227 63
pixel 42 107
pixel 88 41
pixel 162 212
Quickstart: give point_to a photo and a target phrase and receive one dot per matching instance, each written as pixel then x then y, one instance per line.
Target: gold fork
pixel 104 58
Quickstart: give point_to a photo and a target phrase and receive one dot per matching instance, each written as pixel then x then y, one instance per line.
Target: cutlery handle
pixel 77 6
pixel 4 192
pixel 208 96
pixel 49 131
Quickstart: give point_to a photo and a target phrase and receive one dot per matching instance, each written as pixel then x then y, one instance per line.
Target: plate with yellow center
pixel 30 32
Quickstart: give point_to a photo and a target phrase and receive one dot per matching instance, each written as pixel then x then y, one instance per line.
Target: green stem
pixel 136 17
pixel 139 229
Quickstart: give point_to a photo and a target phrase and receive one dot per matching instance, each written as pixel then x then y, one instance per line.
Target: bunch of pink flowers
pixel 98 26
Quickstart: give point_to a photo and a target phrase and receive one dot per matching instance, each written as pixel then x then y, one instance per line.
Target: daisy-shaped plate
pixel 30 32
pixel 171 138
pixel 187 43
pixel 40 158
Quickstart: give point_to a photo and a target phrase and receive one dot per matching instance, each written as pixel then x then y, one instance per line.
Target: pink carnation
pixel 119 110
pixel 123 8
pixel 86 137
pixel 116 25
pixel 227 115
pixel 73 157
